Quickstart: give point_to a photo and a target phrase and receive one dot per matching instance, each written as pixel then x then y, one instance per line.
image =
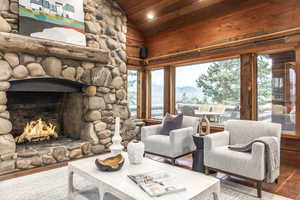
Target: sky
pixel 185 75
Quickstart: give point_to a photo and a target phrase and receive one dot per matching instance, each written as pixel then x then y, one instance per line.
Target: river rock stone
pixel 12 59
pixel 52 66
pixel 88 65
pixel 23 163
pixel 120 111
pixel 36 161
pixel 88 133
pixel 104 134
pixel 2 108
pixel 121 94
pixel 122 54
pixel 86 148
pixel 20 72
pixel 3 99
pixel 76 153
pixel 5 126
pixel 123 67
pixel 48 160
pixel 97 149
pixel 4 26
pixel 79 73
pixel 7 165
pixel 14 8
pixel 5 115
pixel 117 82
pixel 5 70
pixel 4 85
pixel 110 98
pixel 4 6
pixel 26 59
pixel 101 76
pixel 8 156
pixel 91 27
pixel 59 153
pixel 95 103
pixel 8 144
pixel 36 69
pixel 91 91
pixel 93 115
pixel 115 72
pixel 105 141
pixel 28 153
pixel 69 73
pixel 112 44
pixel 100 126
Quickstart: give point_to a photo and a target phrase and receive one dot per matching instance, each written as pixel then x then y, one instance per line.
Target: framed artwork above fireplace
pixel 58 20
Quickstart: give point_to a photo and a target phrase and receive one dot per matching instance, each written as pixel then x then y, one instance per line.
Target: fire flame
pixel 37 130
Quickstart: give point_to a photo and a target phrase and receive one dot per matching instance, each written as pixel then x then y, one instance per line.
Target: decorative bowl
pixel 110 164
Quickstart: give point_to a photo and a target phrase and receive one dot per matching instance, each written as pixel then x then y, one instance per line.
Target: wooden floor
pixel 288 186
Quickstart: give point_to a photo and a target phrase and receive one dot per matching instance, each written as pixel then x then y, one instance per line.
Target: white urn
pixel 136 150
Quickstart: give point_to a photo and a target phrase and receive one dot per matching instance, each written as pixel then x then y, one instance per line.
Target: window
pixel 276 85
pixel 157 93
pixel 132 92
pixel 212 88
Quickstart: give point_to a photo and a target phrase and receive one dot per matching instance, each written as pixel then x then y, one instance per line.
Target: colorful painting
pixel 59 20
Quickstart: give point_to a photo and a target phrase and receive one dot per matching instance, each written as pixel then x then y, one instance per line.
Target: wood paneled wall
pixel 135 40
pixel 266 17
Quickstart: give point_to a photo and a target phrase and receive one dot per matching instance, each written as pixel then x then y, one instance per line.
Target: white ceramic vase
pixel 135 151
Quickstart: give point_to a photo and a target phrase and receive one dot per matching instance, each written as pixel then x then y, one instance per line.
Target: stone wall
pixel 105 97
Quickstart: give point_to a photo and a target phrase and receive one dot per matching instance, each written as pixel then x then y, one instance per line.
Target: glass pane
pixel 276 84
pixel 157 93
pixel 212 88
pixel 132 92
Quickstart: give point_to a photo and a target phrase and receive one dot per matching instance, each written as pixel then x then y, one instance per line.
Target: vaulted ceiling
pixel 171 14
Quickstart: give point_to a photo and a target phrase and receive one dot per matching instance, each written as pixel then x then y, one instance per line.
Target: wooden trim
pixel 248 94
pixel 172 90
pixel 139 94
pixel 233 41
pixel 147 93
pixel 298 90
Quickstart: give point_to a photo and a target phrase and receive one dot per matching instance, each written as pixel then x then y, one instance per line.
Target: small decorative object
pixel 136 150
pixel 204 124
pixel 116 147
pixel 110 164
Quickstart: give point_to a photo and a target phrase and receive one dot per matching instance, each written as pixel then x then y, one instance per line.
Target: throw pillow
pixel 171 123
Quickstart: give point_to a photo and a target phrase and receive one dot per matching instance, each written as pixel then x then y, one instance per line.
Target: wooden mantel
pixel 19 43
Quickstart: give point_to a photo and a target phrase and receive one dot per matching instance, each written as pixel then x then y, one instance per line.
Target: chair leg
pixel 173 161
pixel 206 171
pixel 259 189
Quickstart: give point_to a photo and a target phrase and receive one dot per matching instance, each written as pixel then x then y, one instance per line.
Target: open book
pixel 156 183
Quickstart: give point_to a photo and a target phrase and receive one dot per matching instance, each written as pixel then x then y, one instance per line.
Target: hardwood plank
pixel 266 17
pixel 248 92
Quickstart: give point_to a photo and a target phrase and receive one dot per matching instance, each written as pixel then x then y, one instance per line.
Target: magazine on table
pixel 156 183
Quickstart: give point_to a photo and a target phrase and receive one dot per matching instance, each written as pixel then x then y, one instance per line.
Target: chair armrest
pixel 258 150
pixel 181 134
pixel 216 140
pixel 150 130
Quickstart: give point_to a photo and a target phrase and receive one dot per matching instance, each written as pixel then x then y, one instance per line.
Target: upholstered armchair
pixel 179 143
pixel 251 166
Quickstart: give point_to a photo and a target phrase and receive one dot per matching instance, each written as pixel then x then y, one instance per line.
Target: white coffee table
pixel 198 186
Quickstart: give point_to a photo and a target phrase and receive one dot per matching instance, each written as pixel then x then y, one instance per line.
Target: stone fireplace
pixel 79 90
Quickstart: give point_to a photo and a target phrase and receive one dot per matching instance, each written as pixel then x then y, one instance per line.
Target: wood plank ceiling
pixel 171 14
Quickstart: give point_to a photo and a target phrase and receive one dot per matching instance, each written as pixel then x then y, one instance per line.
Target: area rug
pixel 52 185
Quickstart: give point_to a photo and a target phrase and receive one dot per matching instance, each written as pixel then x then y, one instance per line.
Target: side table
pixel 198 154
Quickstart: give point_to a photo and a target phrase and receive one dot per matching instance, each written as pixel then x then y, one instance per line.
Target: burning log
pixel 36 131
